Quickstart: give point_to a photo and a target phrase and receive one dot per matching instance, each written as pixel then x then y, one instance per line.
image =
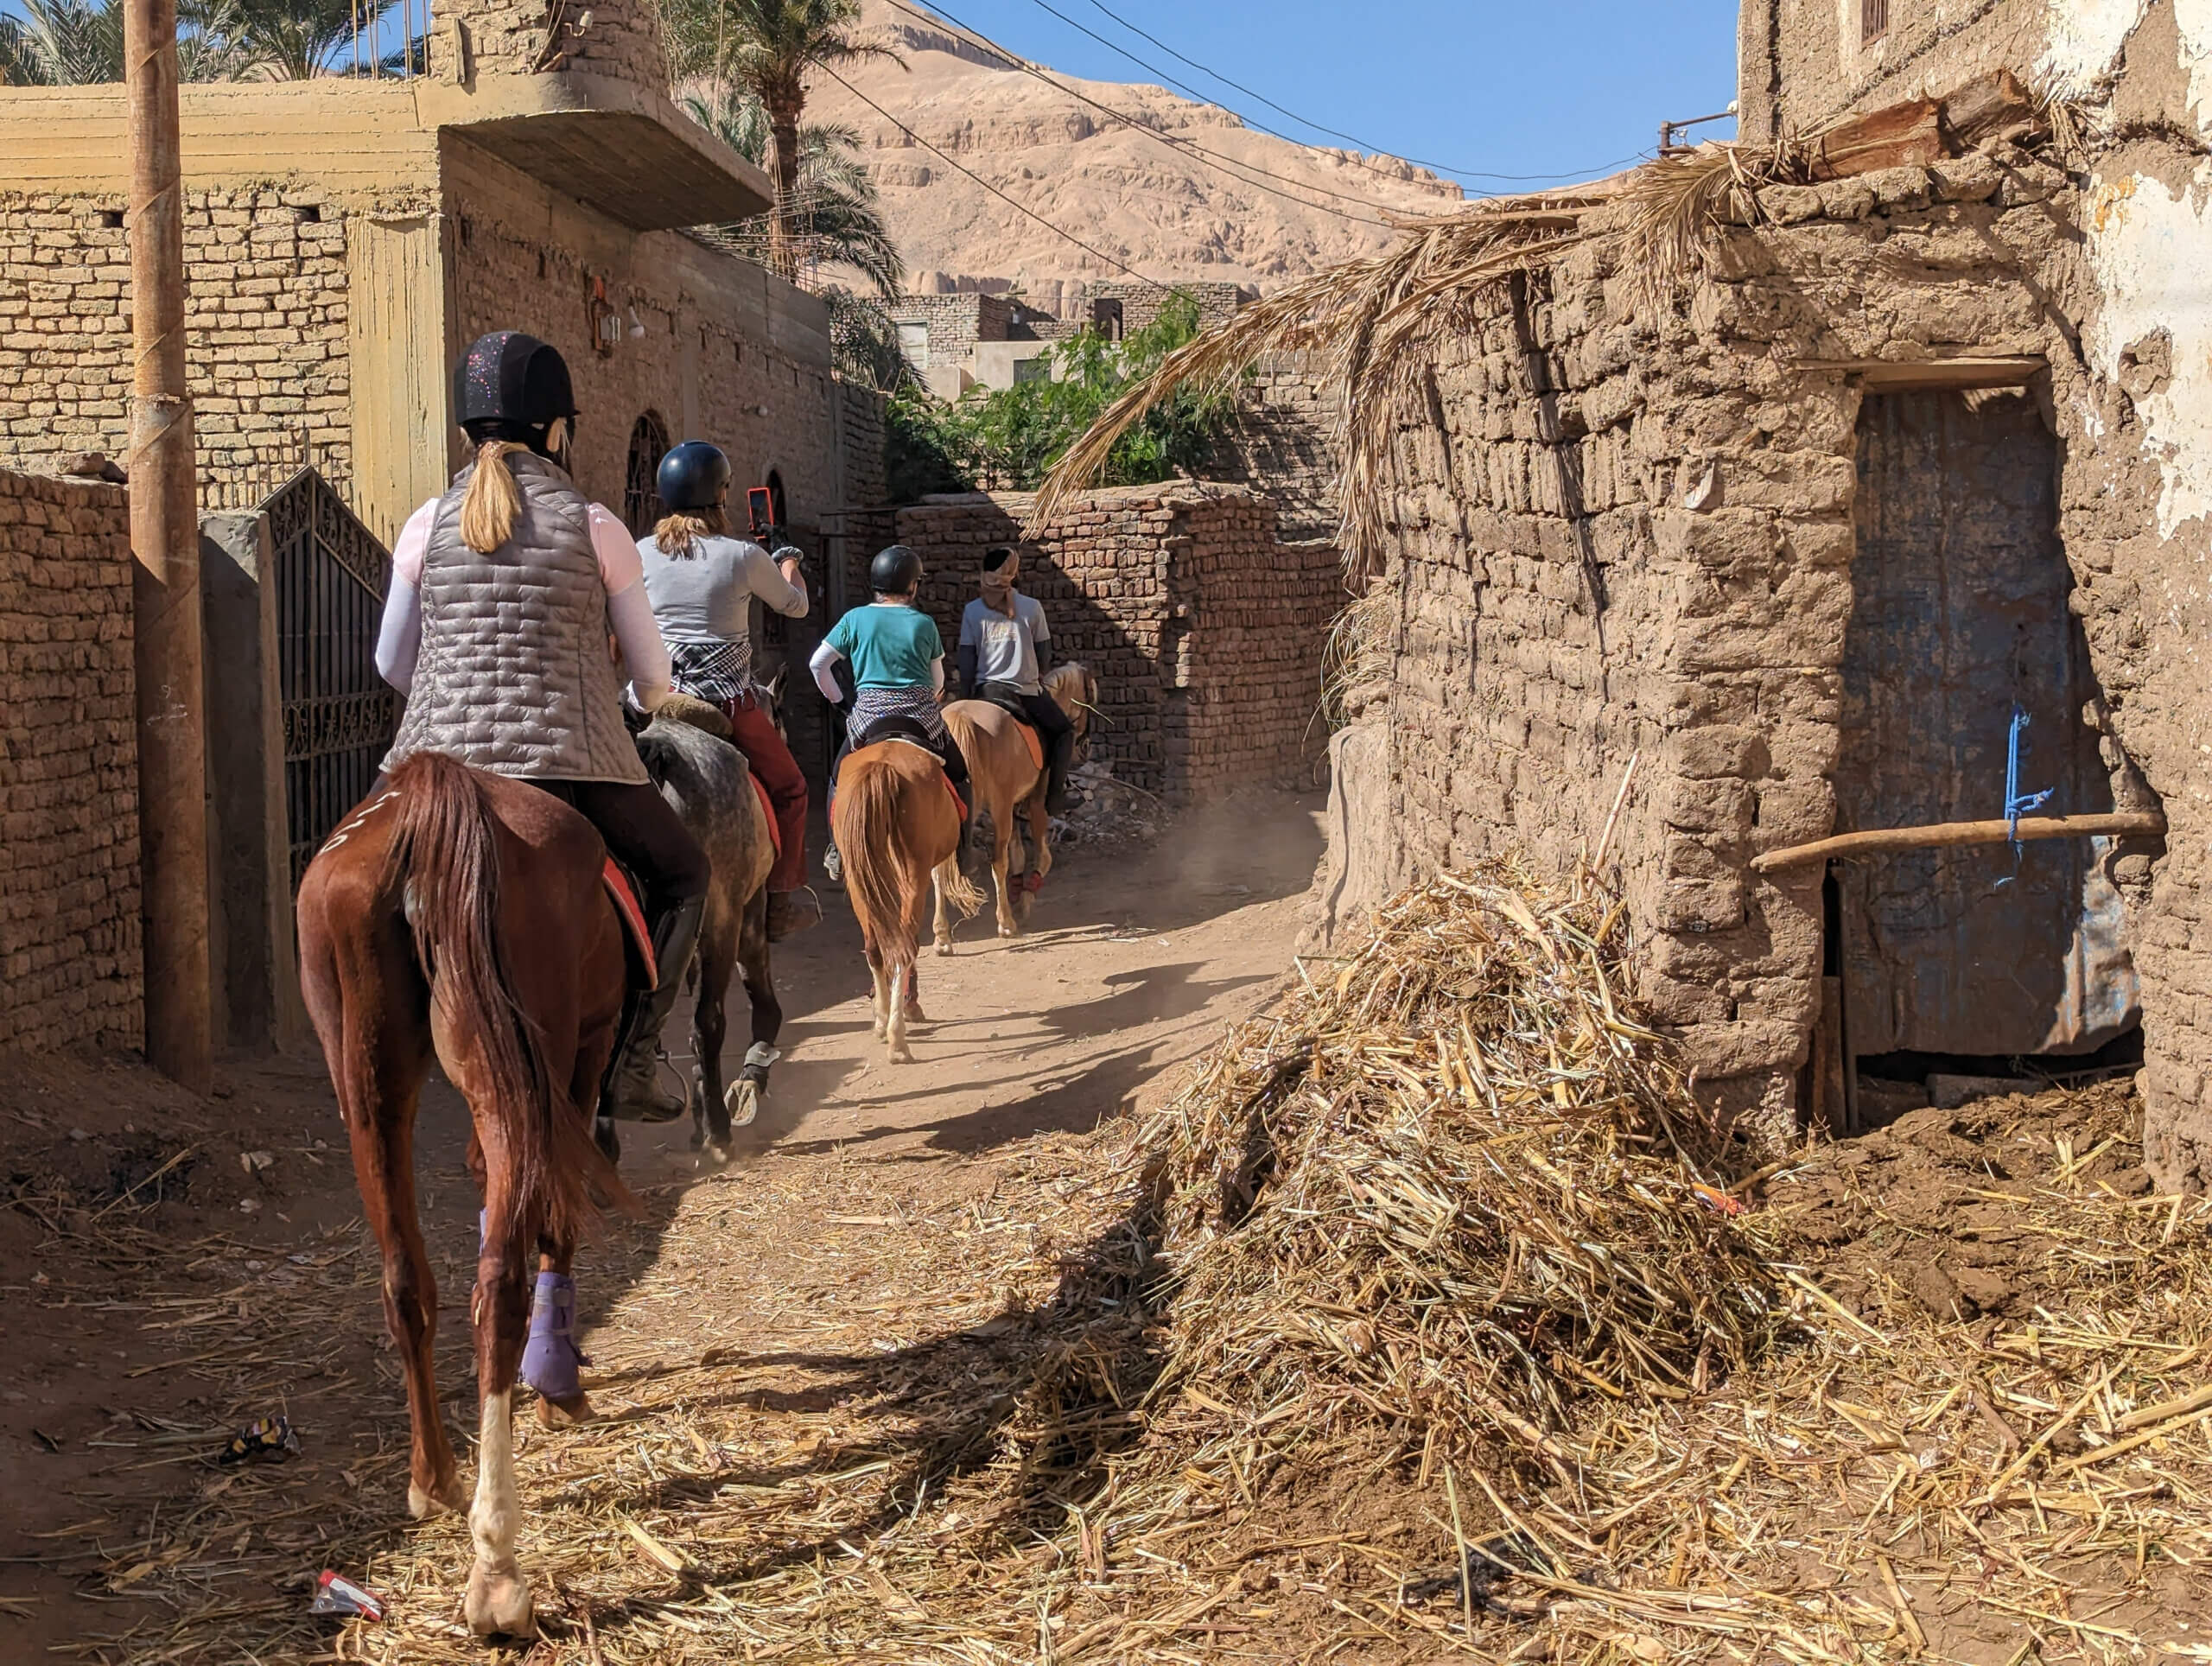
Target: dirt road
pixel 174 1268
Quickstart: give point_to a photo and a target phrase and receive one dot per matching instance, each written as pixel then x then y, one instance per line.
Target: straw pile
pixel 1419 1325
pixel 1453 1192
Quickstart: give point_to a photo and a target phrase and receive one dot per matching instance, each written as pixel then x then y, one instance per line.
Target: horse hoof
pixel 715 1154
pixel 901 1056
pixel 422 1502
pixel 945 945
pixel 1009 931
pixel 564 1413
pixel 498 1605
pixel 742 1100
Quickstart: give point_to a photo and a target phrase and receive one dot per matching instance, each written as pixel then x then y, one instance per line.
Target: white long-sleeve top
pixel 629 612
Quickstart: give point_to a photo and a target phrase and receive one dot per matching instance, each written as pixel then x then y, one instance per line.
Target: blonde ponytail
pixel 676 533
pixel 494 501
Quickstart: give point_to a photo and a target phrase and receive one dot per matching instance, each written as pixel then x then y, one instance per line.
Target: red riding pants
pixel 772 761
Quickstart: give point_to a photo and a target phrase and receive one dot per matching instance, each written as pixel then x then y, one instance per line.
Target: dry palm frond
pixel 1376 319
pixel 1357 652
pixel 1674 204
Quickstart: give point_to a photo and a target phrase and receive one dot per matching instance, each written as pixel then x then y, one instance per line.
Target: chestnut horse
pixel 461 915
pixel 896 825
pixel 1008 782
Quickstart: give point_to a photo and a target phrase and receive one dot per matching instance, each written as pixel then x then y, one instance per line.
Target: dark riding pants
pixel 770 758
pixel 645 835
pixel 1057 730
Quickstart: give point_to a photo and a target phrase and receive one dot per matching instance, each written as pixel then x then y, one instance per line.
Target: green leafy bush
pixel 1006 439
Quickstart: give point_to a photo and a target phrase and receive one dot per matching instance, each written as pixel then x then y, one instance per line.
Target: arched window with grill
pixel 641 507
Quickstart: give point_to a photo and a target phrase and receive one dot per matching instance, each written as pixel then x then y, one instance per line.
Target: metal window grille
pixel 641 507
pixel 1873 19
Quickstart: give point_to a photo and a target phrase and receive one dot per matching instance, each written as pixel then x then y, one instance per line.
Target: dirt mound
pixel 1171 214
pixel 1938 1205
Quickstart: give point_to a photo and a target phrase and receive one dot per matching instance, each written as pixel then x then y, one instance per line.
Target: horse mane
pixel 1072 678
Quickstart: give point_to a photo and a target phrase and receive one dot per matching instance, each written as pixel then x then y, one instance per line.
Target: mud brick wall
pixel 70 970
pixel 860 433
pixel 266 295
pixel 1633 534
pixel 1204 629
pixel 619 41
pixel 1282 443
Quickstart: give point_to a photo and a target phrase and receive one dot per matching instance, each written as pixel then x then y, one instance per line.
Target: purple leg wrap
pixel 550 1358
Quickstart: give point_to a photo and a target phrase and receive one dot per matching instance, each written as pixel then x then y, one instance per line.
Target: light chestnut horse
pixel 459 916
pixel 896 825
pixel 1008 782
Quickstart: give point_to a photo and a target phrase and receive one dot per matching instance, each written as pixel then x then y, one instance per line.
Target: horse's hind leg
pixel 882 988
pixel 378 1072
pixel 895 1028
pixel 941 926
pixel 743 1101
pixel 710 1029
pixel 1001 867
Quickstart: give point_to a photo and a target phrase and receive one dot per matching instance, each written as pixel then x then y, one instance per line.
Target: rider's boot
pixel 792 911
pixel 633 1091
pixel 1055 774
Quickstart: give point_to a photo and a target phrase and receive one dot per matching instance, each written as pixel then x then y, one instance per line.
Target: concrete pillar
pixel 256 962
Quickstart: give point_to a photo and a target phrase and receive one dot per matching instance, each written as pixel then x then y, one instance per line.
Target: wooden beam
pixel 2125 824
pixel 1908 375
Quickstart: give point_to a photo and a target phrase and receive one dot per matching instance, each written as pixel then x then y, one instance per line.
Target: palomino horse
pixel 896 823
pixel 705 779
pixel 461 914
pixel 1008 781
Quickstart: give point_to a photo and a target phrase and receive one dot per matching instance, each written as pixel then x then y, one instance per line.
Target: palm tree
pixel 836 217
pixel 77 42
pixel 62 43
pixel 299 40
pixel 763 47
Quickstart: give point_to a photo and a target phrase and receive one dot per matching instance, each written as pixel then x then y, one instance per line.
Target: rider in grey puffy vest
pixel 505 592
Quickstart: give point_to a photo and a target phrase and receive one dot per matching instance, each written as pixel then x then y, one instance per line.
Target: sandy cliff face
pixel 1173 215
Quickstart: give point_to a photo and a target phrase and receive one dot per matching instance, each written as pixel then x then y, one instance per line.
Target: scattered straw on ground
pixel 1422 1324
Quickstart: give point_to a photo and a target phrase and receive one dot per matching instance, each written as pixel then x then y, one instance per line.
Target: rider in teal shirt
pixel 893 658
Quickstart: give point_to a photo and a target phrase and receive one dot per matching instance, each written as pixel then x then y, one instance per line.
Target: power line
pixel 1228 165
pixel 1307 121
pixel 1119 266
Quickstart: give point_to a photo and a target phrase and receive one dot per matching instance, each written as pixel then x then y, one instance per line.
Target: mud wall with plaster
pixel 1640 538
pixel 70 967
pixel 1204 628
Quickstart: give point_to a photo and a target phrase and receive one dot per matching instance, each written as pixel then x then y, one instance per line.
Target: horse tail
pixel 956 889
pixel 871 838
pixel 445 846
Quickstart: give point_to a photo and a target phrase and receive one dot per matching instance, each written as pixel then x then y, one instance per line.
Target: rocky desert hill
pixel 1141 196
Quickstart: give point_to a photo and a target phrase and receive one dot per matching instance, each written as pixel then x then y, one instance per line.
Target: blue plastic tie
pixel 2017 803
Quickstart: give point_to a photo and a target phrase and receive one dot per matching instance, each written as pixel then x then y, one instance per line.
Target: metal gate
pixel 339 715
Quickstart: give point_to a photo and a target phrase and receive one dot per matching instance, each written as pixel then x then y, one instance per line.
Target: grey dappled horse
pixel 688 755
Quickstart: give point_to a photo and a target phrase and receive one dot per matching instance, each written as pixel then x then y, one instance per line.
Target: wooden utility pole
pixel 165 538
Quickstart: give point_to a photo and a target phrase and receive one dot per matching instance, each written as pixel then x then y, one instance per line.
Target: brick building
pixel 346 240
pixel 991 337
pixel 70 967
pixel 1900 502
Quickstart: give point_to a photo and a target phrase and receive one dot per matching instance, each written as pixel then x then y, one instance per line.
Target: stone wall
pixel 1801 64
pixel 70 970
pixel 1205 631
pixel 266 299
pixel 618 41
pixel 1282 443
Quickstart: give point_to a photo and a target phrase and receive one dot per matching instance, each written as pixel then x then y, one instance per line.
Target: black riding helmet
pixel 894 571
pixel 694 475
pixel 510 386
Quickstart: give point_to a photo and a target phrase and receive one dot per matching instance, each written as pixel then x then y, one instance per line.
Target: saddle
pixel 622 891
pixel 1003 696
pixel 896 725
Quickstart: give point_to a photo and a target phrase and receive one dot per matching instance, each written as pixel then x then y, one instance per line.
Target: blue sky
pixel 1529 87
